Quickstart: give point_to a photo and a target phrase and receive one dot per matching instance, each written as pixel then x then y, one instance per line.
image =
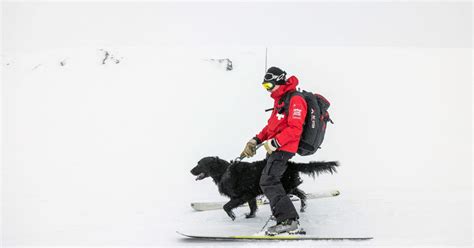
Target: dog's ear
pixel 217 160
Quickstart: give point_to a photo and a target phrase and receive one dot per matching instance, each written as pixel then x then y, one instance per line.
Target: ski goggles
pixel 272 77
pixel 268 85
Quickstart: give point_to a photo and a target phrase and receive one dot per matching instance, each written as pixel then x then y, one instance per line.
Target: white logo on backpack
pixel 313 119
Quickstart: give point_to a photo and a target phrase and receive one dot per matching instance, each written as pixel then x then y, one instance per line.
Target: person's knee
pixel 267 181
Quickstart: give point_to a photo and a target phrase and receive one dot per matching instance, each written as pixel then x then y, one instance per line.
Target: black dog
pixel 240 180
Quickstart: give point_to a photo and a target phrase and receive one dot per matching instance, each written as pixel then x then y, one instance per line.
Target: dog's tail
pixel 314 168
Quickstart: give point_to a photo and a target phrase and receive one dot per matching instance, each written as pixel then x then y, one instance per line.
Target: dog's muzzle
pixel 201 176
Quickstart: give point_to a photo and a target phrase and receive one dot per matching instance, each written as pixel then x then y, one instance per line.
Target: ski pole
pixel 266 223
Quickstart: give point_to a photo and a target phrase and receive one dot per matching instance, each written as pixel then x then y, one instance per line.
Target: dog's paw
pixel 231 214
pixel 250 215
pixel 303 208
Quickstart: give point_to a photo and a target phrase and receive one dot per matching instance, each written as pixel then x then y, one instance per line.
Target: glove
pixel 271 146
pixel 250 149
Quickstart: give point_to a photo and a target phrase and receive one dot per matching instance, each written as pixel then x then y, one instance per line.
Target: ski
pixel 264 237
pixel 205 206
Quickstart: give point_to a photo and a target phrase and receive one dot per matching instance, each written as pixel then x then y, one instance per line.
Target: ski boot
pixel 290 226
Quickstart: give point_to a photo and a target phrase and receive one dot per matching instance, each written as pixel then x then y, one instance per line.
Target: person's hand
pixel 271 146
pixel 250 149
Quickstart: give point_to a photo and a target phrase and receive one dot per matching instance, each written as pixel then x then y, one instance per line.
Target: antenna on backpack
pixel 266 52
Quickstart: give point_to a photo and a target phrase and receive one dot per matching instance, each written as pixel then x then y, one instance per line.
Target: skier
pixel 281 137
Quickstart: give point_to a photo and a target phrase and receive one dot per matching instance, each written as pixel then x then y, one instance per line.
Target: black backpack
pixel 316 120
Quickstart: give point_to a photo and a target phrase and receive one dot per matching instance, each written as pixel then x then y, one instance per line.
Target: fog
pixel 99 154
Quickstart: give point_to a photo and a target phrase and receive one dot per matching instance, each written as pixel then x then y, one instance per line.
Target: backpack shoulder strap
pixel 287 98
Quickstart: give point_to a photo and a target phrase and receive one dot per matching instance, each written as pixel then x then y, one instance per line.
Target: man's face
pixel 270 87
pixel 274 88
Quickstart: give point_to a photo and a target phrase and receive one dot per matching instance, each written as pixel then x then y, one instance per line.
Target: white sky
pixel 33 26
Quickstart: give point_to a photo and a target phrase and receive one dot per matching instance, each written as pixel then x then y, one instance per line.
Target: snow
pixel 99 154
pixel 405 221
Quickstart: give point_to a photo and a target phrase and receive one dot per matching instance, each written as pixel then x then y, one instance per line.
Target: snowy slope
pixel 99 154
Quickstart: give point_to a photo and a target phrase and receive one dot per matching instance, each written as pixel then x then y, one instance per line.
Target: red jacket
pixel 285 128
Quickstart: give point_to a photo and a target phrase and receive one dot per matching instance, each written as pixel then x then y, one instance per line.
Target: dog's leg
pixel 253 208
pixel 233 203
pixel 302 195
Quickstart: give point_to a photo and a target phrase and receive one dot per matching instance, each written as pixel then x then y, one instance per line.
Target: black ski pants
pixel 270 183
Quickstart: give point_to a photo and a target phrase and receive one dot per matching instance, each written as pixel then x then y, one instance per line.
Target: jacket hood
pixel 290 85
